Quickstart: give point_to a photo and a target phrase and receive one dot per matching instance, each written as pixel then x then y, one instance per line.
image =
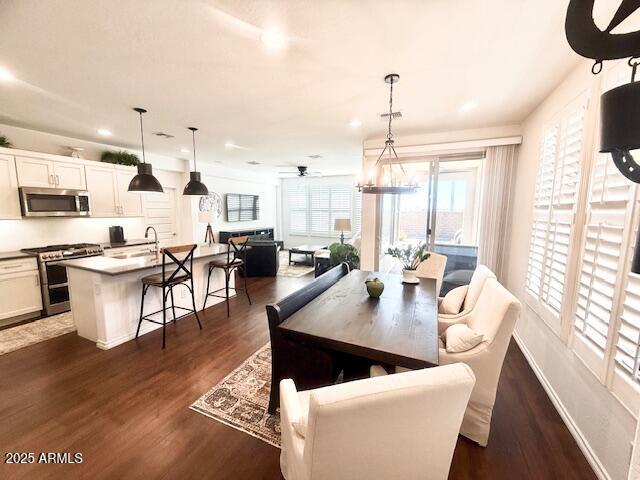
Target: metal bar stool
pixel 236 258
pixel 182 275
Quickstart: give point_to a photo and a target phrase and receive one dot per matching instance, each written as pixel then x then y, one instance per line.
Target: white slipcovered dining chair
pixel 494 316
pixel 433 267
pixel 480 275
pixel 400 427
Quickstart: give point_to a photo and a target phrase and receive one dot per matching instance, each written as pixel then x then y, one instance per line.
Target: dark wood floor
pixel 126 409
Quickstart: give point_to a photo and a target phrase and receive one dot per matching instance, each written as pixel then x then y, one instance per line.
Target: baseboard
pixel 580 439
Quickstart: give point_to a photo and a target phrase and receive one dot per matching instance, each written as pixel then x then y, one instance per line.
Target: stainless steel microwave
pixel 54 202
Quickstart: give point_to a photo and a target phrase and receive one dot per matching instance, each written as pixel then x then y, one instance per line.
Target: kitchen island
pixel 105 293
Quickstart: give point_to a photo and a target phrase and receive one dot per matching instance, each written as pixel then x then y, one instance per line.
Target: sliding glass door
pixel 443 213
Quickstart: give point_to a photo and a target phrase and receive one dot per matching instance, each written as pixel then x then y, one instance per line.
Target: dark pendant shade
pixel 195 185
pixel 144 181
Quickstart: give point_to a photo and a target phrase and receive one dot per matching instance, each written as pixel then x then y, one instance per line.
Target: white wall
pixel 296 240
pixel 224 180
pixel 606 427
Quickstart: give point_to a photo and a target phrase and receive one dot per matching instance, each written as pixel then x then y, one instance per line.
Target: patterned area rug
pixel 293 270
pixel 21 336
pixel 240 400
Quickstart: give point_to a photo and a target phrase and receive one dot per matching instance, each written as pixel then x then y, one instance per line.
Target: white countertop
pixel 118 266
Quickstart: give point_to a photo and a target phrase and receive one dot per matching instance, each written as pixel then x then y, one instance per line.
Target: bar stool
pixel 236 258
pixel 182 275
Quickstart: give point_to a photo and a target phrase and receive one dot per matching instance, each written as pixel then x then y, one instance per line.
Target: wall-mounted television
pixel 242 208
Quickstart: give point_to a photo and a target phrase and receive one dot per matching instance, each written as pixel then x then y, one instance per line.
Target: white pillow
pixel 460 338
pixel 300 426
pixel 452 301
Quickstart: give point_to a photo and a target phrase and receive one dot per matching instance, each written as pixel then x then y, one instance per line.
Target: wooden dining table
pixel 400 328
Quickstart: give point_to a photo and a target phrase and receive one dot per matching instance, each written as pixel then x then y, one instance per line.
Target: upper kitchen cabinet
pixel 40 172
pixel 130 202
pixel 108 188
pixel 101 184
pixel 9 204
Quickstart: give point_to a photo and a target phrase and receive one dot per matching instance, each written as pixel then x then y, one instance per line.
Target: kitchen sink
pixel 124 256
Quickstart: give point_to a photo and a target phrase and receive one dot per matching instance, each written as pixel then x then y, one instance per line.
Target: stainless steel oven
pixel 53 276
pixel 54 202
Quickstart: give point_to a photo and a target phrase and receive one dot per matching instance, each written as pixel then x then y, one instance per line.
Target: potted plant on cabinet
pixel 410 256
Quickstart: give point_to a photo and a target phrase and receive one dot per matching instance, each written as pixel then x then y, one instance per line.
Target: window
pixel 606 227
pixel 242 207
pixel 313 209
pixel 555 197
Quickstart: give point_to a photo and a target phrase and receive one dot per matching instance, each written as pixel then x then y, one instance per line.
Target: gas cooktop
pixel 51 252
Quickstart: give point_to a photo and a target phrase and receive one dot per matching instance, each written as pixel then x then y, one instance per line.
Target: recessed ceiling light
pixel 184 150
pixel 355 123
pixel 103 132
pixel 467 107
pixel 233 146
pixel 273 39
pixel 6 75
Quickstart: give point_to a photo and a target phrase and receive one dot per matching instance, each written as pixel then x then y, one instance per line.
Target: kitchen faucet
pixel 155 234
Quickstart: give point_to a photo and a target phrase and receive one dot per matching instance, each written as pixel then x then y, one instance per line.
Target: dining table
pixel 400 328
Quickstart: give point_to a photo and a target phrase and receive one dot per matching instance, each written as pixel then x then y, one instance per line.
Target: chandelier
pixel 384 168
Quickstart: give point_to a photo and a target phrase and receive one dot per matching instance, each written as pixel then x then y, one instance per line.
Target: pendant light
pixel 144 181
pixel 195 185
pixel 391 184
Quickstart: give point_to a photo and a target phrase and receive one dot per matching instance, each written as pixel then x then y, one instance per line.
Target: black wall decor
pixel 620 107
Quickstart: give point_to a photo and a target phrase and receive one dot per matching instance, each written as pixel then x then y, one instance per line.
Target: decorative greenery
pixel 344 253
pixel 4 142
pixel 411 256
pixel 120 158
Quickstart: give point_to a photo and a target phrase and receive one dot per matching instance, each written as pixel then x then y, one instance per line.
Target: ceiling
pixel 81 65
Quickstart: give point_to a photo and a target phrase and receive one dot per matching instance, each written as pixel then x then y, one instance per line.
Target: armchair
pixel 478 279
pixel 401 426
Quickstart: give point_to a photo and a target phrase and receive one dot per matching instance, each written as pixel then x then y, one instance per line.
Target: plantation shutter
pixel 298 211
pixel 626 378
pixel 556 193
pixel 320 210
pixel 602 261
pixel 341 207
pixel 357 214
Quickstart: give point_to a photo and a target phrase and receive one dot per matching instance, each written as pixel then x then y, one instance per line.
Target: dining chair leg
pixel 227 275
pixel 193 301
pixel 164 318
pixel 173 305
pixel 144 291
pixel 206 292
pixel 246 290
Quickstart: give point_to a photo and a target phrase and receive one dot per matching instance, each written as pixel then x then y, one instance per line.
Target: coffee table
pixel 306 250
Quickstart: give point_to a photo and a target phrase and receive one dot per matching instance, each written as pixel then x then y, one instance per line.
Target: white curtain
pixel 498 168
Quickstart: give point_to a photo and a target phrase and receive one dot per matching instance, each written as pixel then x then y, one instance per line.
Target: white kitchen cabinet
pixel 35 172
pixel 130 203
pixel 19 287
pixel 107 186
pixel 69 175
pixel 40 172
pixel 101 184
pixel 9 203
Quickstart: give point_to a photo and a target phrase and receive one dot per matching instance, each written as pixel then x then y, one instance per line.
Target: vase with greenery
pixel 120 158
pixel 410 256
pixel 344 253
pixel 4 142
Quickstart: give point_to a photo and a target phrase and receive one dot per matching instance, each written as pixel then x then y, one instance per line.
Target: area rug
pixel 294 270
pixel 21 336
pixel 240 400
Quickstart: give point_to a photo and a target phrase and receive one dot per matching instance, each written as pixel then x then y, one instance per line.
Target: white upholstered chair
pixel 494 316
pixel 480 275
pixel 402 426
pixel 433 267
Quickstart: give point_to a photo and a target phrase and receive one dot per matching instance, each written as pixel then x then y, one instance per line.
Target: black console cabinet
pixel 254 234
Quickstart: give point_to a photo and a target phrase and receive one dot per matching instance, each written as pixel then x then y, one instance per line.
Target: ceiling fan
pixel 302 171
